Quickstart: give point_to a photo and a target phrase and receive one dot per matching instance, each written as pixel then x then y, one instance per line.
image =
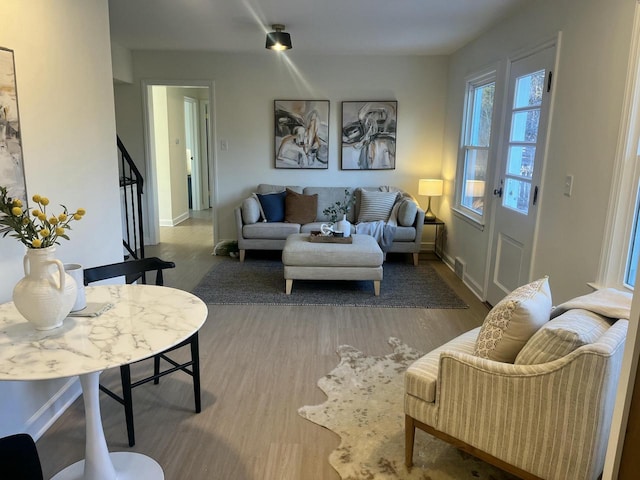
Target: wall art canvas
pixel 11 165
pixel 369 135
pixel 301 133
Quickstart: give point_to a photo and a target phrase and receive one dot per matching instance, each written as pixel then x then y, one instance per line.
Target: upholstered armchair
pixel 545 415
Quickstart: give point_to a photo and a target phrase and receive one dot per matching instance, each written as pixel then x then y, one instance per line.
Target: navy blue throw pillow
pixel 273 206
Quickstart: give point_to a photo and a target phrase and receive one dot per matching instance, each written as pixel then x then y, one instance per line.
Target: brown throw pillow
pixel 300 208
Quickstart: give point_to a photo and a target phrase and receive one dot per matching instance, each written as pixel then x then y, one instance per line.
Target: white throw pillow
pixel 375 206
pixel 513 321
pixel 250 211
pixel 407 212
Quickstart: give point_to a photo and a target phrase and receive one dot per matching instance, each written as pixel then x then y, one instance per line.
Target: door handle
pixel 498 192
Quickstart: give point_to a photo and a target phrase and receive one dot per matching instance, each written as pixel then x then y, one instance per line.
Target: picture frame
pixel 301 134
pixel 369 135
pixel 11 162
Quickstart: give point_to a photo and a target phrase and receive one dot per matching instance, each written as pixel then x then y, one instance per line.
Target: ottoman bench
pixel 306 260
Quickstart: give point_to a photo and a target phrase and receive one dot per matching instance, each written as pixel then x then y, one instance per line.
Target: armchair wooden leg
pixel 415 259
pixel 409 438
pixel 242 252
pixel 195 358
pixel 125 376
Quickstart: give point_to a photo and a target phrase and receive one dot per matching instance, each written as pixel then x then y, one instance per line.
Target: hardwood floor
pixel 259 365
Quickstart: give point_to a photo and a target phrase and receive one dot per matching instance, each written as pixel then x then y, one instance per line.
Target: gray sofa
pixel 256 234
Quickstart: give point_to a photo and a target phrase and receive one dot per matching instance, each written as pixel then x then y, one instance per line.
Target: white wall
pixel 170 153
pixel 161 152
pixel 582 142
pixel 178 154
pixel 245 88
pixel 65 94
pixel 122 63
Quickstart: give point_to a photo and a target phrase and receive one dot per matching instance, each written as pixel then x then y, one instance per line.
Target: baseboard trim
pixel 468 281
pixel 474 286
pixel 46 415
pixel 174 221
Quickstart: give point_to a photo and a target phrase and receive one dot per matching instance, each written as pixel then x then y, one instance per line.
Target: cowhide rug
pixel 365 408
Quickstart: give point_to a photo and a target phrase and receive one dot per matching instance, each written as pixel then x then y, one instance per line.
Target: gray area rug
pixel 365 408
pixel 261 281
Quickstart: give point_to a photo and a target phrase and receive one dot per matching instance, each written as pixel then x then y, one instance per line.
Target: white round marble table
pixel 144 320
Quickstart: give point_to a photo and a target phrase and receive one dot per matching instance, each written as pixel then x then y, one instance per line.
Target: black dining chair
pixel 136 270
pixel 19 458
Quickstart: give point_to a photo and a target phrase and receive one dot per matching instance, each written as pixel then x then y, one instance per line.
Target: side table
pixel 439 236
pixel 144 320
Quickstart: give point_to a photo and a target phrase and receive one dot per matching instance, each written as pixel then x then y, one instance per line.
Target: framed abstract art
pixel 369 135
pixel 11 164
pixel 301 133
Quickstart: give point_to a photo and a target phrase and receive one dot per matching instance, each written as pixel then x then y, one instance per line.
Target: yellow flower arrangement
pixel 33 228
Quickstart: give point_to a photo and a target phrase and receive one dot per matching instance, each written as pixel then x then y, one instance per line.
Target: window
pixel 476 142
pixel 634 249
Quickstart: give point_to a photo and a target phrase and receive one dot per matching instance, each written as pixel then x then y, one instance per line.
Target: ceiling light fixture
pixel 278 40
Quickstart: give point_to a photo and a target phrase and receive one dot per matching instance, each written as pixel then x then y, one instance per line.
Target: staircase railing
pixel 131 183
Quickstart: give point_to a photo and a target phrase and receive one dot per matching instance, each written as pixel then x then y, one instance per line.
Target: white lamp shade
pixel 474 188
pixel 430 187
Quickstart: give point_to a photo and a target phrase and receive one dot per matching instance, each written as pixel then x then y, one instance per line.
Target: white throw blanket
pixel 608 302
pixel 383 232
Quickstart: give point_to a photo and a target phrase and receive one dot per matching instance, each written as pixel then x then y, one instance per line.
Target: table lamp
pixel 430 187
pixel 474 189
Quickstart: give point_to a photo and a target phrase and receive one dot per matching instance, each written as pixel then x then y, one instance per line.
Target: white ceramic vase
pixel 344 225
pixel 46 294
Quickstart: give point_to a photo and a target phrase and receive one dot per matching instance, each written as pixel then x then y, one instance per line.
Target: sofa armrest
pixel 419 224
pixel 239 222
pixel 554 418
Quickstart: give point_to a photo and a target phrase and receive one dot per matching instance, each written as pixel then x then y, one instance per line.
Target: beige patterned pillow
pixel 510 324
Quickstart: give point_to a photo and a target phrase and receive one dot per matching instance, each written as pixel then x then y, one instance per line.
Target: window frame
pixel 625 185
pixel 472 83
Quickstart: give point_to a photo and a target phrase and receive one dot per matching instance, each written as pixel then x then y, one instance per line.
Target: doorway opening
pixel 180 184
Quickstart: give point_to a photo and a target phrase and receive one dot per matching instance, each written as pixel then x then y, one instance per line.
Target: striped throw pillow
pixel 563 335
pixel 375 206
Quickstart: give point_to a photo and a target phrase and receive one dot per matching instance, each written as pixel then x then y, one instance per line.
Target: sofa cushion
pixel 407 212
pixel 251 210
pixel 376 206
pixel 562 335
pixel 328 196
pixel 299 208
pixel 421 377
pixel 513 321
pixel 405 234
pixel 269 231
pixel 272 205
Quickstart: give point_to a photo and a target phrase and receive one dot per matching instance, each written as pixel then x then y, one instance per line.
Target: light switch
pixel 568 185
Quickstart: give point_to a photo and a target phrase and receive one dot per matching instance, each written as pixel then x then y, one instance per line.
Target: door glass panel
pixel 529 90
pixel 524 126
pixel 521 160
pixel 516 195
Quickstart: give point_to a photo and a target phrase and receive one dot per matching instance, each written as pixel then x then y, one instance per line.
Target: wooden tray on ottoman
pixel 317 237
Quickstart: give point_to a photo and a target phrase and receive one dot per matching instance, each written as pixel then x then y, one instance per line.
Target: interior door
pixel 518 184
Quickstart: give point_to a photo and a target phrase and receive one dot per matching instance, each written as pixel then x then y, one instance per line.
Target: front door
pixel 518 184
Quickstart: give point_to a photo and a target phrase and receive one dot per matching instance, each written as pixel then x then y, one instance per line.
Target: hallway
pixel 188 244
